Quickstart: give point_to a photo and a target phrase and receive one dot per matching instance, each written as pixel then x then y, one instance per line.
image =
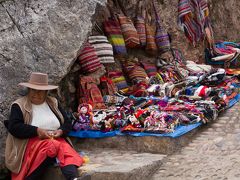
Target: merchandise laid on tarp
pixel 161 97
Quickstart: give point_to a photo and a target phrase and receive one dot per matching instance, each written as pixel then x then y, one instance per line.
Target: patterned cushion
pixel 119 80
pixel 88 59
pixel 103 48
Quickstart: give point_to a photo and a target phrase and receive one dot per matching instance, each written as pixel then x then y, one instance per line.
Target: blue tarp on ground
pixel 179 131
pixel 92 134
pixel 233 101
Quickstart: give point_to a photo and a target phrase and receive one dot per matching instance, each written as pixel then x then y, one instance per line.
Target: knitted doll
pixel 84 117
pixel 134 121
pixel 98 119
pixel 150 121
pixel 120 118
pixel 103 121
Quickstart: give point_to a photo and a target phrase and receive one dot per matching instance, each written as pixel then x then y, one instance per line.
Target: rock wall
pixel 225 16
pixel 46 36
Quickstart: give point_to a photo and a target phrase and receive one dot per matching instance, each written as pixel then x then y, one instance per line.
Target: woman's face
pixel 37 96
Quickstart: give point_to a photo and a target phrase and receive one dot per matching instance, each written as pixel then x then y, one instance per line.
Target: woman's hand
pixel 57 133
pixel 43 134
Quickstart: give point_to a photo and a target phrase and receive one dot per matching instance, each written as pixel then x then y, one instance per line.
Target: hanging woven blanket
pixel 193 18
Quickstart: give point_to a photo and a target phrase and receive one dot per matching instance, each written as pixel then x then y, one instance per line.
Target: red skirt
pixel 38 150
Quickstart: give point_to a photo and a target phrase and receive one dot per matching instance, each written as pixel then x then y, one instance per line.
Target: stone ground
pixel 112 164
pixel 213 154
pixel 124 165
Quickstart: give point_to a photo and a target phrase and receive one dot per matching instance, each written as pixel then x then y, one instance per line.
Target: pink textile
pixel 38 150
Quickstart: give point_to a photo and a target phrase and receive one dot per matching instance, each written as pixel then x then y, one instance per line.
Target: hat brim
pixel 38 87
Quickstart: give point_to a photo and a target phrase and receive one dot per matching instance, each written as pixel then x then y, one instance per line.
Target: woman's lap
pixel 38 150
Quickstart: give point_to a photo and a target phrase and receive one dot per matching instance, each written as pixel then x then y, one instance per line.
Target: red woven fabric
pixel 107 86
pixel 89 92
pixel 38 150
pixel 88 59
pixel 112 27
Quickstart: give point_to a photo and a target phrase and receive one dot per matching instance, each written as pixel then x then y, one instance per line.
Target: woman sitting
pixel 37 129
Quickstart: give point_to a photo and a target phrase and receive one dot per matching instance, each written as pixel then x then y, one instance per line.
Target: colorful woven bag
pixel 107 86
pixel 130 33
pixel 140 26
pixel 88 59
pixel 151 46
pixel 88 92
pixel 113 31
pixel 150 69
pixel 141 30
pixel 161 37
pixel 103 48
pixel 119 80
pixel 128 65
pixel 137 74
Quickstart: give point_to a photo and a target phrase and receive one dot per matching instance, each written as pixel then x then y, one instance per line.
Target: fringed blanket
pixel 193 18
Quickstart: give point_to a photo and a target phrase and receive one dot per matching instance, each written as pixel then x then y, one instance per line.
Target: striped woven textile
pixel 103 48
pixel 119 80
pixel 223 48
pixel 193 18
pixel 162 40
pixel 161 37
pixel 141 30
pixel 130 33
pixel 137 74
pixel 122 86
pixel 113 31
pixel 88 59
pixel 128 65
pixel 115 74
pixel 150 69
pixel 151 46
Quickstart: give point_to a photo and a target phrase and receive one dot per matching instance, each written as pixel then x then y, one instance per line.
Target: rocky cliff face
pixel 46 36
pixel 225 17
